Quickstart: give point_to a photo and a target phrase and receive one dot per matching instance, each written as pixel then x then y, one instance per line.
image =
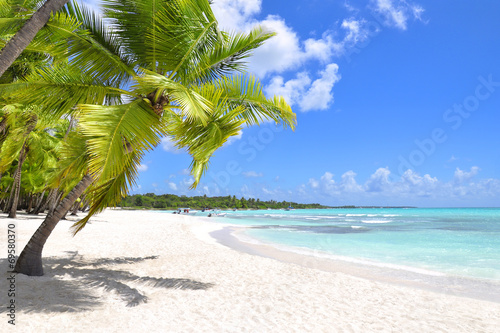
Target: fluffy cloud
pixel 282 52
pixel 287 51
pixel 396 13
pixel 319 96
pixel 382 187
pixel 236 14
pixel 308 94
pixel 313 183
pixel 461 176
pixel 379 181
pixel 349 184
pixel 292 90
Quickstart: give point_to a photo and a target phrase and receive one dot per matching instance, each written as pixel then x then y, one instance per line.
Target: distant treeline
pixel 172 201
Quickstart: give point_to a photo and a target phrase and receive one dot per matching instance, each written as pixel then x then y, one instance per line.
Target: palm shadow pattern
pixel 75 291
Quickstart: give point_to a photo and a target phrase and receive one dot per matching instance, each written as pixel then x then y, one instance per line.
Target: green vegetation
pixel 92 94
pixel 172 201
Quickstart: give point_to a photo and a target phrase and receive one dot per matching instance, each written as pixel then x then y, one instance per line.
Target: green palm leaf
pixel 192 104
pixel 226 57
pixel 111 130
pixel 57 90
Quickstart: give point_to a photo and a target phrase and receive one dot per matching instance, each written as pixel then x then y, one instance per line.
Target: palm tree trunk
pixel 8 204
pixel 55 201
pixel 38 203
pixel 75 208
pixel 5 202
pixel 42 208
pixel 30 260
pixel 30 202
pixel 25 35
pixel 17 181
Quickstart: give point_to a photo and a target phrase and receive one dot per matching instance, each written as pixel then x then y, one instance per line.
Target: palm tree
pixel 159 69
pixel 20 41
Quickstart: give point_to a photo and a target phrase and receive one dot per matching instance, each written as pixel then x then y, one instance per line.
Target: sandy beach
pixel 141 271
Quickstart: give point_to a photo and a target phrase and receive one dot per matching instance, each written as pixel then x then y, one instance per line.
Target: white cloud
pixel 287 51
pixel 313 183
pixel 252 174
pixel 379 181
pixel 172 186
pixel 234 138
pixel 424 186
pixel 384 188
pixel 417 11
pixel 356 31
pixel 292 90
pixel 142 167
pixel 308 94
pixel 320 95
pixel 350 7
pixel 281 52
pixel 235 14
pixel 348 183
pixel 320 49
pixel 169 146
pixel 396 13
pixel 327 181
pixel 461 176
pixel 410 189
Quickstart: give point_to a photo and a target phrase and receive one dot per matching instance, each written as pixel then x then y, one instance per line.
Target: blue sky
pixel 397 103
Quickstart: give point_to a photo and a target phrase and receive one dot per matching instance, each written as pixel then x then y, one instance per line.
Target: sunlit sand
pixel 140 271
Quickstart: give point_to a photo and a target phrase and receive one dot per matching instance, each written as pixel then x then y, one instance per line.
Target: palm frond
pixel 111 191
pixel 57 90
pixel 163 34
pixel 192 104
pixel 227 57
pixel 86 41
pixel 112 129
pixel 94 46
pixel 73 160
pixel 202 140
pixel 247 92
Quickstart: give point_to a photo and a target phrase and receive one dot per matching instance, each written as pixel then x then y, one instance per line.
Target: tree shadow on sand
pixel 70 284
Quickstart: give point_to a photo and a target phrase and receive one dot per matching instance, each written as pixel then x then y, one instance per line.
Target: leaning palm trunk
pixel 17 182
pixel 30 260
pixel 25 35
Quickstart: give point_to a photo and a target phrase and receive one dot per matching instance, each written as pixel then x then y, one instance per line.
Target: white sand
pixel 192 284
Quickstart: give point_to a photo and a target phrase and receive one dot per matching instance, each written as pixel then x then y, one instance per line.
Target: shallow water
pixel 454 241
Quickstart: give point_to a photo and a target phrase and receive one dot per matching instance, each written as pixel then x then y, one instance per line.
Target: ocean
pixel 462 242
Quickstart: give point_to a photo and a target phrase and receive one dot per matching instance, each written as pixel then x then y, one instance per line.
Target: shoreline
pixel 165 273
pixel 476 288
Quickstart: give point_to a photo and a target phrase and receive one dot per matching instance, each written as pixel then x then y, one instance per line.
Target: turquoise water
pixel 456 241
